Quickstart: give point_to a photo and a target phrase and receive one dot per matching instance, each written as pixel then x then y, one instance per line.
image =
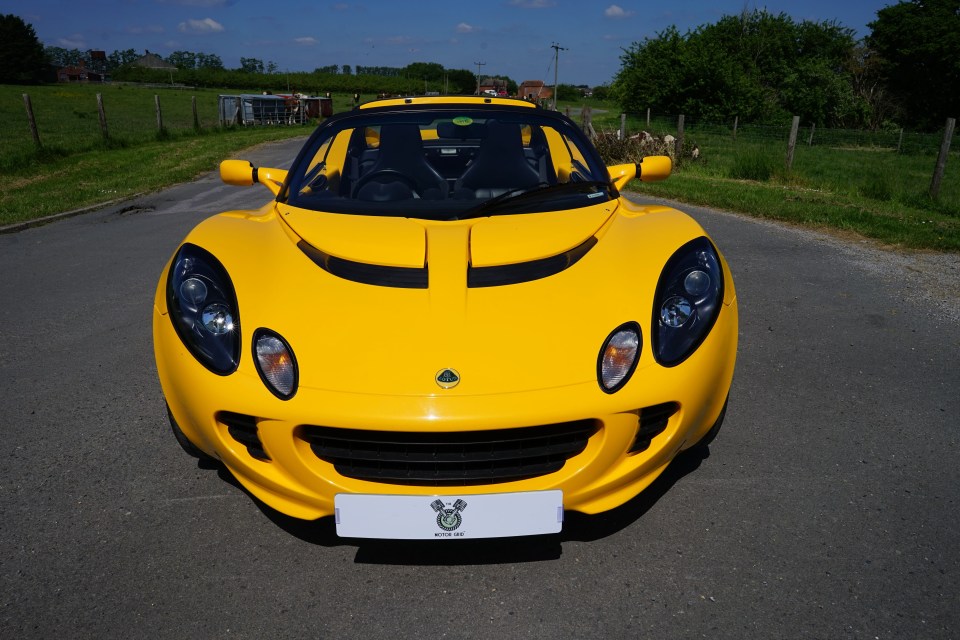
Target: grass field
pixel 847 180
pixel 850 181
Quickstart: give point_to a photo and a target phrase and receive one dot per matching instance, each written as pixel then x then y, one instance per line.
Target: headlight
pixel 276 363
pixel 203 309
pixel 688 301
pixel 618 357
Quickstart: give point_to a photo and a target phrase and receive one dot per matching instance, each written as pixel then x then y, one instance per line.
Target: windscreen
pixel 447 164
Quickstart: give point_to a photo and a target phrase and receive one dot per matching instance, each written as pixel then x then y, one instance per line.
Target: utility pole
pixel 479 64
pixel 556 70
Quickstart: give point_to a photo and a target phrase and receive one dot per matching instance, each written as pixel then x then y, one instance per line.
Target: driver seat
pixel 401 150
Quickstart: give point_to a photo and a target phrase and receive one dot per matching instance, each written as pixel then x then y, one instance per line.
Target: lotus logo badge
pixel 448 378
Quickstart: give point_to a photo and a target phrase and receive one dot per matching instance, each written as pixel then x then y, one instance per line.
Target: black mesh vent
pixel 653 420
pixel 243 429
pixel 527 271
pixel 401 277
pixel 445 459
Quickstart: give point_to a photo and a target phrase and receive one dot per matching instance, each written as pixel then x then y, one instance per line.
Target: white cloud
pixel 615 11
pixel 463 27
pixel 307 41
pixel 75 41
pixel 200 27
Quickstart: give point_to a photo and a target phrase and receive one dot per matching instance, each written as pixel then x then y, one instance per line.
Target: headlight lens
pixel 276 363
pixel 203 309
pixel 688 300
pixel 618 357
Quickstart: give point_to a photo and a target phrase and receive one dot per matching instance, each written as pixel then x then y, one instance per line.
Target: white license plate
pixel 450 517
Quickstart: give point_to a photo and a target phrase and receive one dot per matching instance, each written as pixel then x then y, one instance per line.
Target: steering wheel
pixel 388 175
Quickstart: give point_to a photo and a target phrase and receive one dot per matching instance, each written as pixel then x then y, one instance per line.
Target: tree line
pixel 756 66
pixel 763 67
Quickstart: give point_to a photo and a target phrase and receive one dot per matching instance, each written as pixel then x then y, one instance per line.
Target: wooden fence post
pixel 32 120
pixel 813 126
pixel 648 118
pixel 736 120
pixel 586 116
pixel 678 148
pixel 623 126
pixel 942 158
pixel 156 101
pixel 196 118
pixel 900 141
pixel 103 117
pixel 793 142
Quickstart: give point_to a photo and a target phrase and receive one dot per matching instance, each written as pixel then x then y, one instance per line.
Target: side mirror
pixel 242 173
pixel 649 169
pixel 621 174
pixel 654 168
pixel 239 173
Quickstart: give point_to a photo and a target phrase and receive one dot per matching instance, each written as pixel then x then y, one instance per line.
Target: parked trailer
pixel 256 109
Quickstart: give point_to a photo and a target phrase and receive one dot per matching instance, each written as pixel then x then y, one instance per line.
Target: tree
pixel 251 65
pixel 183 59
pixel 60 57
pixel 461 81
pixel 209 61
pixel 118 58
pixel 601 92
pixel 918 44
pixel 24 60
pixel 345 70
pixel 272 67
pixel 756 65
pixel 430 71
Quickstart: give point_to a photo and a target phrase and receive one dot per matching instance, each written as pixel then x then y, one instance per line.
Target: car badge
pixel 449 519
pixel 448 378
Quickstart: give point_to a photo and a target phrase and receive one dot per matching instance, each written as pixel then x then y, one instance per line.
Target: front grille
pixel 243 429
pixel 653 421
pixel 448 459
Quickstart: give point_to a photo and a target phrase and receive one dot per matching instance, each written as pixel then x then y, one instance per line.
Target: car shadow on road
pixel 577 527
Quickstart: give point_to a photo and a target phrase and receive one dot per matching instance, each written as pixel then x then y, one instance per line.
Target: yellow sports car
pixel 447 324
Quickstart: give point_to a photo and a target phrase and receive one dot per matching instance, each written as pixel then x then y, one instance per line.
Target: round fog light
pixel 275 363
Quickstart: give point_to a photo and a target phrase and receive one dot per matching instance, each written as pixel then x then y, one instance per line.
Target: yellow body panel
pixel 446 100
pixel 379 289
pixel 527 355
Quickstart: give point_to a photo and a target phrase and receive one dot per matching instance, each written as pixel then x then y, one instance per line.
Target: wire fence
pixel 899 140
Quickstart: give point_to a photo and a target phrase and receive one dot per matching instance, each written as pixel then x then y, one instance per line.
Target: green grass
pixel 849 181
pixel 869 190
pixel 76 167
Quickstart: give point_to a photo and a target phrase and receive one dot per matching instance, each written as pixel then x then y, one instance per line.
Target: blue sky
pixel 512 37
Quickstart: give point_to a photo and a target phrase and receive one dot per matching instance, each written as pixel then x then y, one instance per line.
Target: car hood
pixel 540 330
pixel 404 242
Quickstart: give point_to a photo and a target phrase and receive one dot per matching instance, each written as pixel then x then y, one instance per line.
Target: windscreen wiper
pixel 512 197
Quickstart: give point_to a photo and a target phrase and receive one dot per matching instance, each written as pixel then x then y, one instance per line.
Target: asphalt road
pixel 826 508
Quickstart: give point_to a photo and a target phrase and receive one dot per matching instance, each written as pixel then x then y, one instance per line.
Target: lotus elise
pixel 448 323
